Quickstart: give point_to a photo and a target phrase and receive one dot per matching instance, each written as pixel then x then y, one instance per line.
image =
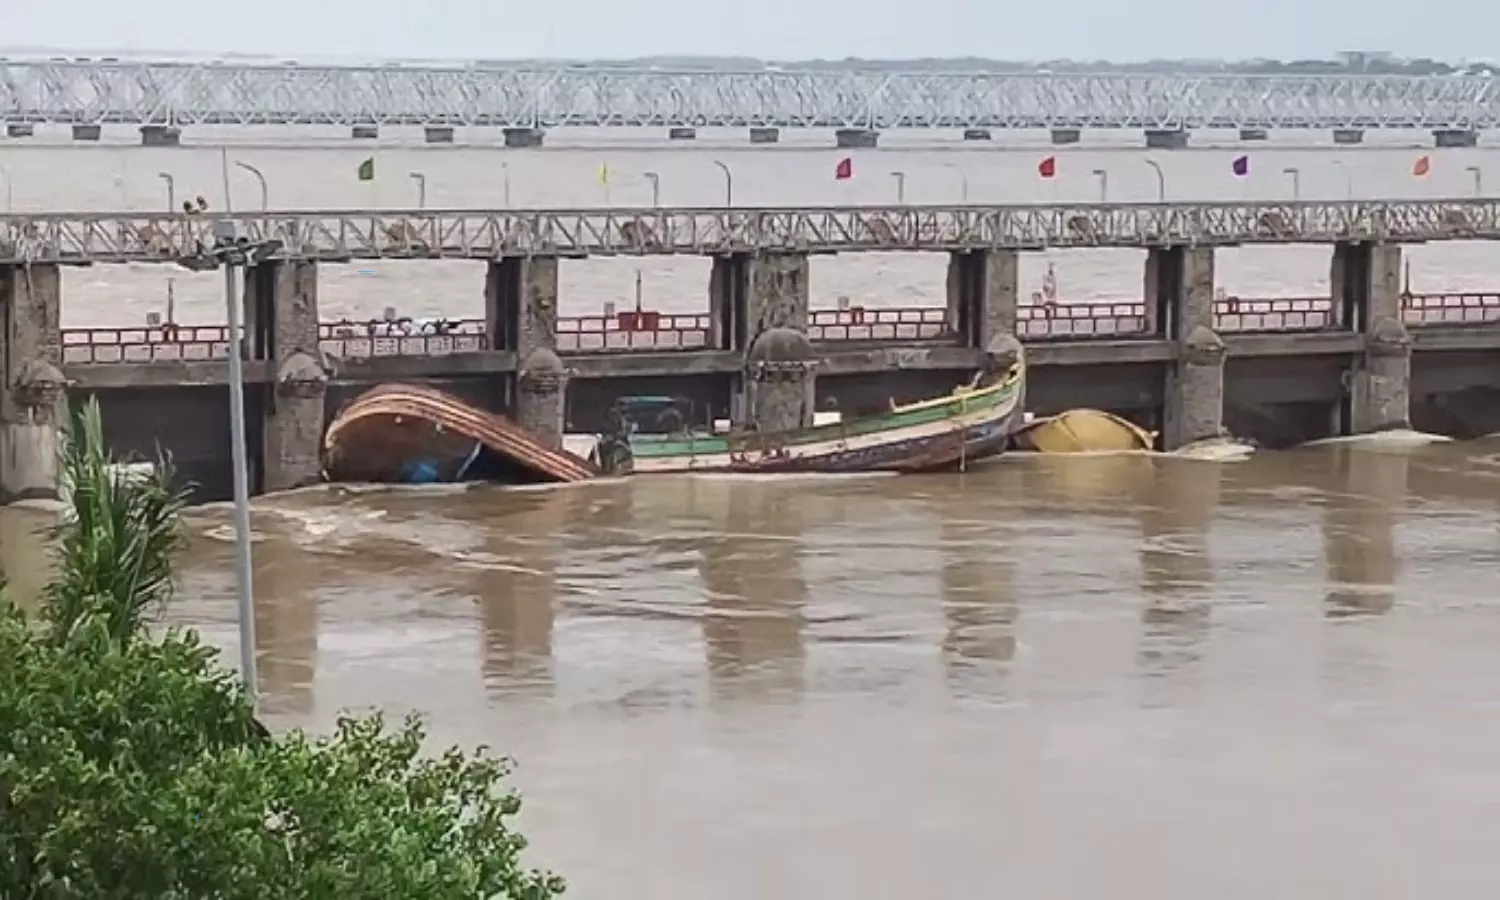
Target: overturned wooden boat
pixel 974 422
pixel 1083 431
pixel 410 434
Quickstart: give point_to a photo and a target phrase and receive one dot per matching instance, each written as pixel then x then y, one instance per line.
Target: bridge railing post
pixel 33 399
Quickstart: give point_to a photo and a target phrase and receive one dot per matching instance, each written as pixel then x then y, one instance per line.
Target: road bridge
pixel 91 93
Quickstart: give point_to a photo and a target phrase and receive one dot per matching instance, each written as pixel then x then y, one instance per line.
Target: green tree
pixel 132 766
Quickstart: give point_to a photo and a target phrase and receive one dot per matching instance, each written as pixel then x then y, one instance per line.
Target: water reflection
pixel 516 588
pixel 978 591
pixel 286 630
pixel 1359 522
pixel 754 588
pixel 1177 507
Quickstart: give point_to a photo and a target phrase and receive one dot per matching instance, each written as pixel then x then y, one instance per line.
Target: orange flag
pixel 1422 166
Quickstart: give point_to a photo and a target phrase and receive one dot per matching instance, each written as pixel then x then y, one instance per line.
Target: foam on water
pixel 1397 437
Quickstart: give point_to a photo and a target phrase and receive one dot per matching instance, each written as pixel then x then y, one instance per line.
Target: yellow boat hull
pixel 1083 431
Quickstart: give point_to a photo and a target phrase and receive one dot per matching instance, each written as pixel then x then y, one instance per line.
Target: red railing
pixel 649 330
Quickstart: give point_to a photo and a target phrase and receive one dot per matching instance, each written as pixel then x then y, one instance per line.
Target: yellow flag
pixel 604 174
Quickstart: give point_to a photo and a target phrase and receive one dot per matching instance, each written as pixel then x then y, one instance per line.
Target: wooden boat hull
pixel 1083 431
pixel 405 434
pixel 946 432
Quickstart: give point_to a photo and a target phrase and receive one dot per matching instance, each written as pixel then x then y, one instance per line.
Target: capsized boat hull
pixel 971 424
pixel 412 434
pixel 1083 431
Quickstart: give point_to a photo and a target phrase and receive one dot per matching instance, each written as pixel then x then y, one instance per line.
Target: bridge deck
pixel 343 235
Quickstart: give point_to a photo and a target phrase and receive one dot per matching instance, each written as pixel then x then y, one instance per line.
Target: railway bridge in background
pixel 1184 359
pixel 163 96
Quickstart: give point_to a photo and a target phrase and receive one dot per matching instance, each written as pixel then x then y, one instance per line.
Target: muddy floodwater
pixel 1054 677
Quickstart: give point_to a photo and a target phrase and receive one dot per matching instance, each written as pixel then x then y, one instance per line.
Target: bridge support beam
pixel 87 132
pixel 983 292
pixel 857 138
pixel 778 383
pixel 1166 139
pixel 765 135
pixel 521 308
pixel 524 138
pixel 1180 306
pixel 33 399
pixel 1455 138
pixel 1063 137
pixel 1348 137
pixel 281 327
pixel 1366 282
pixel 1254 134
pixel 160 136
pixel 438 134
pixel 682 133
pixel 976 134
pixel 20 130
pixel 365 132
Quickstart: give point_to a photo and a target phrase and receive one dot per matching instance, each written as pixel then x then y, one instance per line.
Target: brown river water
pixel 1051 677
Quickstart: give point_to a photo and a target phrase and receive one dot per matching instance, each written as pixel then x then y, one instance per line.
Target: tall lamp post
pixel 260 179
pixel 171 190
pixel 728 183
pixel 655 180
pixel 421 181
pixel 232 255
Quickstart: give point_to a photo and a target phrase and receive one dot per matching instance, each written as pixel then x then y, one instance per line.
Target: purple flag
pixel 1240 166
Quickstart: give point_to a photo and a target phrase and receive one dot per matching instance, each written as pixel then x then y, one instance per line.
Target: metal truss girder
pixel 184 93
pixel 471 234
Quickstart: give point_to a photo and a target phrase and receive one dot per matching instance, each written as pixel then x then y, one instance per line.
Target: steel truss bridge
pixel 103 92
pixel 340 236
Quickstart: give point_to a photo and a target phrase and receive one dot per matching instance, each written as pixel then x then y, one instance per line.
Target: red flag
pixel 1047 168
pixel 844 170
pixel 1422 166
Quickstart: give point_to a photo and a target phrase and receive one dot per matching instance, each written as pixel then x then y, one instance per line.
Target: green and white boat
pixel 974 422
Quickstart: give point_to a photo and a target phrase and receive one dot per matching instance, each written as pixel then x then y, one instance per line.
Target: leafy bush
pixel 132 766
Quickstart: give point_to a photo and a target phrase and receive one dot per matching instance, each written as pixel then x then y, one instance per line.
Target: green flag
pixel 367 170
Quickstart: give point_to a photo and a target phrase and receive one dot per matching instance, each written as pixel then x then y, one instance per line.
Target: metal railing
pixel 646 330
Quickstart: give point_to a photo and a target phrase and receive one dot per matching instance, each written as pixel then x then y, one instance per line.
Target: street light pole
pixel 900 187
pixel 1478 174
pixel 505 177
pixel 1103 176
pixel 421 181
pixel 728 183
pixel 963 181
pixel 9 189
pixel 655 180
pixel 171 190
pixel 1161 181
pixel 260 178
pixel 1348 179
pixel 1296 181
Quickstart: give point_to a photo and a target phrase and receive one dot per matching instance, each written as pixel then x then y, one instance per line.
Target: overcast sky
pixel 472 29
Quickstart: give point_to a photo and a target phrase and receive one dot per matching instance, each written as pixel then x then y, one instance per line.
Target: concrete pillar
pixel 728 286
pixel 1348 137
pixel 1455 138
pixel 1183 295
pixel 777 389
pixel 857 138
pixel 765 135
pixel 87 132
pixel 1254 134
pixel 524 138
pixel 1367 282
pixel 281 327
pixel 438 134
pixel 983 293
pixel 20 130
pixel 521 309
pixel 1063 137
pixel 364 132
pixel 33 397
pixel 1166 139
pixel 160 136
pixel 682 133
pixel 976 134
